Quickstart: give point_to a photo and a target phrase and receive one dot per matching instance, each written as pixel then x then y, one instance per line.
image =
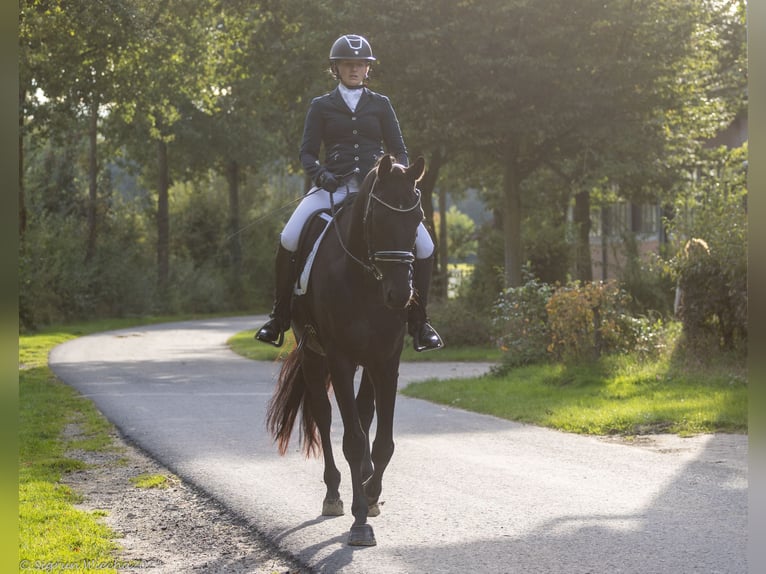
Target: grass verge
pixel 51 530
pixel 53 534
pixel 244 344
pixel 614 395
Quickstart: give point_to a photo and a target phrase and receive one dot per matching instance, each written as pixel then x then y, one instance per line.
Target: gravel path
pixel 172 529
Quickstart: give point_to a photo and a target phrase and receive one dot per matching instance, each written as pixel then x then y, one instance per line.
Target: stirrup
pixel 274 337
pixel 430 341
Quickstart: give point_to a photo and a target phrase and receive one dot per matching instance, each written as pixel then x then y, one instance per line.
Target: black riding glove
pixel 328 182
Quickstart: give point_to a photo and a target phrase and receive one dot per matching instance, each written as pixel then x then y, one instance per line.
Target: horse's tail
pixel 289 397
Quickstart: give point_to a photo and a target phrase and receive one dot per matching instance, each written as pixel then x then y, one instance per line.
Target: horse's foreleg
pixel 383 447
pixel 354 439
pixel 365 403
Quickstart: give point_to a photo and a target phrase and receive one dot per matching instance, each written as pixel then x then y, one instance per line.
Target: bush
pixel 650 283
pixel 521 321
pixel 538 322
pixel 712 297
pixel 488 276
pixel 645 337
pixel 458 323
pixel 711 266
pixel 587 320
pixel 56 285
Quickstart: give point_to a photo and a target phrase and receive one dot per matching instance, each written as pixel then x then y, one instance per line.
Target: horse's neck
pixel 352 227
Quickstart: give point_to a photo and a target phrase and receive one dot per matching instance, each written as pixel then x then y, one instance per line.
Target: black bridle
pixel 377 256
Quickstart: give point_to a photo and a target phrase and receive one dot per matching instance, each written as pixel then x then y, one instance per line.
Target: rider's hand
pixel 328 182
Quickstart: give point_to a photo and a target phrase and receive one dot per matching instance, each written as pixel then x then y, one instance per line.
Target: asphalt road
pixel 464 492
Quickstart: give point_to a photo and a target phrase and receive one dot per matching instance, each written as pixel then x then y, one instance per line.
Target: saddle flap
pixel 301 286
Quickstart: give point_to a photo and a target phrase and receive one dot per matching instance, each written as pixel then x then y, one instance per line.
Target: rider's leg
pixel 286 268
pixel 273 331
pixel 424 336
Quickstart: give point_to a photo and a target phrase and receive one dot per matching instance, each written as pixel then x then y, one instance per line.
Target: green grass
pixel 615 395
pixel 51 530
pixel 244 344
pixel 150 481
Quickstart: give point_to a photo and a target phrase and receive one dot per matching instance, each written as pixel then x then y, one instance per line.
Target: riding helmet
pixel 351 47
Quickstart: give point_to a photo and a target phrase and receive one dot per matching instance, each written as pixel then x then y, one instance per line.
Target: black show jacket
pixel 353 141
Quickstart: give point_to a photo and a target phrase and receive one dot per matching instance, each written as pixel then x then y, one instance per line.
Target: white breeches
pixel 317 198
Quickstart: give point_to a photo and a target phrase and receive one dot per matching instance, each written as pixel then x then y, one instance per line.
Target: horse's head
pixel 392 215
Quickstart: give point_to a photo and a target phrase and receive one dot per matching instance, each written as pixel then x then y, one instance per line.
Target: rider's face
pixel 353 72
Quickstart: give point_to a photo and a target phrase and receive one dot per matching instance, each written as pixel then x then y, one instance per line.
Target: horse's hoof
pixel 332 507
pixel 361 535
pixel 373 510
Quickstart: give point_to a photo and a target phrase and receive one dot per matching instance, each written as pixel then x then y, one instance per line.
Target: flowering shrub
pixel 521 321
pixel 538 322
pixel 587 320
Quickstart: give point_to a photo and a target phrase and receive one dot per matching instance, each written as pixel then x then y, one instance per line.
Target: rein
pixel 373 257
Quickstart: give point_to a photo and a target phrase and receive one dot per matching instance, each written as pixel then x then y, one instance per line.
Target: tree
pixel 166 67
pixel 261 70
pixel 416 69
pixel 461 234
pixel 577 87
pixel 69 51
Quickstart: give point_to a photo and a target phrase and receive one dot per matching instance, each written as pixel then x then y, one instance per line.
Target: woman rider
pixel 354 124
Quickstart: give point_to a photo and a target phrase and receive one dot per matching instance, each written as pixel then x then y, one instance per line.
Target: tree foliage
pixel 533 103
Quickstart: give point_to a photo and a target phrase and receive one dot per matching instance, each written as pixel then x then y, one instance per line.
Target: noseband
pixel 382 256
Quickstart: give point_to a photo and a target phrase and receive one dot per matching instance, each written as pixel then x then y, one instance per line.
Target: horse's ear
pixel 384 167
pixel 417 169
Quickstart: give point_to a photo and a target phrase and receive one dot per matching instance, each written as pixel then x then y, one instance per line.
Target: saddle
pixel 311 238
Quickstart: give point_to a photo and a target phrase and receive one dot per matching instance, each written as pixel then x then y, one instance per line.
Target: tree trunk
pixel 606 230
pixel 163 219
pixel 235 245
pixel 22 202
pixel 427 185
pixel 512 222
pixel 90 250
pixel 583 262
pixel 443 290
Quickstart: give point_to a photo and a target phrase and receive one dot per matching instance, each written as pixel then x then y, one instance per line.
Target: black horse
pixel 353 314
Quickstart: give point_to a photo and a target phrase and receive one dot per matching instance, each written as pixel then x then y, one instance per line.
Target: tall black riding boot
pixel 424 336
pixel 273 332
